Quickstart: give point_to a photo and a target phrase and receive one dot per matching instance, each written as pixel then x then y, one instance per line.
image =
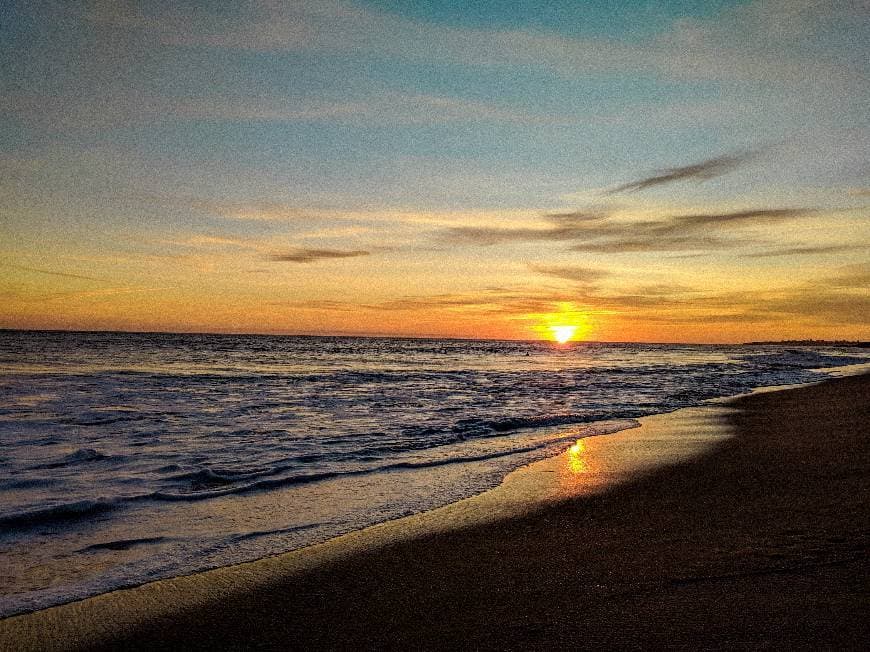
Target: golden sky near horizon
pixel 380 168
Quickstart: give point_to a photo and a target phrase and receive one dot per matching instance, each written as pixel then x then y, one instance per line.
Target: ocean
pixel 127 457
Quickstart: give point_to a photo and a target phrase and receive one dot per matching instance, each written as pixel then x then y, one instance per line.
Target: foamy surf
pixel 136 457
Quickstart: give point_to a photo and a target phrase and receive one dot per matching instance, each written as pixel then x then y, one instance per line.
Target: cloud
pixel 806 250
pixel 51 273
pixel 269 211
pixel 732 46
pixel 595 232
pixel 312 255
pixel 703 171
pixel 268 249
pixel 839 299
pixel 562 227
pixel 761 41
pixel 856 277
pixel 515 302
pixel 716 318
pixel 755 216
pixel 657 243
pixel 127 107
pixel 583 275
pixel 831 308
pixel 505 301
pixel 217 241
pixel 388 107
pixel 89 294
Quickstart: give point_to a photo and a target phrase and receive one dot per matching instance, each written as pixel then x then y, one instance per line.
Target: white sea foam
pixel 134 457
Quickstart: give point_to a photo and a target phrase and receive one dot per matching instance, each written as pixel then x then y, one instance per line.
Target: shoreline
pixel 603 469
pixel 609 459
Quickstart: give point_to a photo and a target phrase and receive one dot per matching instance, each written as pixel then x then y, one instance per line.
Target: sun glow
pixel 566 323
pixel 563 334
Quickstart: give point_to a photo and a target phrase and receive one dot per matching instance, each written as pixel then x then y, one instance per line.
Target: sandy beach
pixel 759 542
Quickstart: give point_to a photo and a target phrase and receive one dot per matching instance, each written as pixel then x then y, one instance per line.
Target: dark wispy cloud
pixel 312 255
pixel 661 242
pixel 806 250
pixel 703 171
pixel 561 227
pixel 756 216
pixel 594 232
pixel 583 275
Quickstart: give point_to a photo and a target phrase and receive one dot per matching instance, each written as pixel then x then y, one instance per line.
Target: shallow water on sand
pixel 131 457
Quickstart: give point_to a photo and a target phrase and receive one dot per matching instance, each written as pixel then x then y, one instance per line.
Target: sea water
pixel 131 457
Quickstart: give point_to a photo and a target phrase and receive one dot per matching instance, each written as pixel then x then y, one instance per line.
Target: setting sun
pixel 565 323
pixel 563 333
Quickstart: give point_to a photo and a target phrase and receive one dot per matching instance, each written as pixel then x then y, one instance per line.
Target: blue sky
pixel 608 19
pixel 165 142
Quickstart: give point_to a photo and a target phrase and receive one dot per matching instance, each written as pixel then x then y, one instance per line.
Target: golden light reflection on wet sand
pixel 594 463
pixel 577 462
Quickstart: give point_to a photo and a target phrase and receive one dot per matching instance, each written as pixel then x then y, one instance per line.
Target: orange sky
pixel 684 172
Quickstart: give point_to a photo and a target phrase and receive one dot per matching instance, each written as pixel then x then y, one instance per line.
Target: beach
pixel 759 542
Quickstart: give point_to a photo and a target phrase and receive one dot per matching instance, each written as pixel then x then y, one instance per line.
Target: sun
pixel 563 334
pixel 566 323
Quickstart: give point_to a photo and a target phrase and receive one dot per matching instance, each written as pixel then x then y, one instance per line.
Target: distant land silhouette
pixel 812 343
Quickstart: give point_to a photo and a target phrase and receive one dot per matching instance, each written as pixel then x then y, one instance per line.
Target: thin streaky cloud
pixel 216 241
pixel 577 217
pixel 703 171
pixel 650 244
pixel 127 108
pixel 806 251
pixel 485 236
pixel 389 107
pixel 585 275
pixel 312 255
pixel 680 232
pixel 93 294
pixel 269 211
pixel 855 277
pixel 720 318
pixel 51 273
pixel 759 216
pixel 838 296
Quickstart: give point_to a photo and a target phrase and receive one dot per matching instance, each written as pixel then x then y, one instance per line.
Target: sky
pixel 635 171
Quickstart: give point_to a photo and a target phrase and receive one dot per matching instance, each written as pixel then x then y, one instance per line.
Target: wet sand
pixel 760 542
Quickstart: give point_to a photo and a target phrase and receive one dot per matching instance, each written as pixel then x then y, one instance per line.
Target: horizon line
pixel 409 337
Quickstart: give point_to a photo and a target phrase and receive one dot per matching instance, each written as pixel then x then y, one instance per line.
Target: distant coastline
pixel 375 336
pixel 856 344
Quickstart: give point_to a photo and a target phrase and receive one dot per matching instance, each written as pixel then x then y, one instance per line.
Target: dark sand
pixel 761 543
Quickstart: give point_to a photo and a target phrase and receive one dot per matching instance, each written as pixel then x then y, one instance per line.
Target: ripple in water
pixel 132 457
